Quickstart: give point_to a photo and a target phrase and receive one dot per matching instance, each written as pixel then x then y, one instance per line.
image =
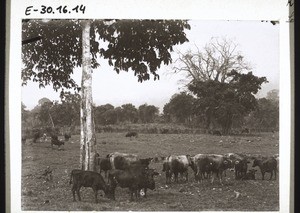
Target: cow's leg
pixel 263 175
pixel 271 175
pixel 275 171
pixel 213 177
pixel 95 192
pixel 186 176
pixel 78 193
pixel 176 176
pixel 145 191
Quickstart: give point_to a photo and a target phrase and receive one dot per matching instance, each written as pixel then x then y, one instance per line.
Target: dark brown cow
pixel 81 178
pixel 266 165
pixel 240 163
pixel 56 141
pixel 135 178
pixel 131 134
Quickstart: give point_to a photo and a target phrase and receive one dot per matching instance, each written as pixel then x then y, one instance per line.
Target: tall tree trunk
pixel 88 139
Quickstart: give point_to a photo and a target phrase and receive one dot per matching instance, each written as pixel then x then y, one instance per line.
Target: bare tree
pixel 217 59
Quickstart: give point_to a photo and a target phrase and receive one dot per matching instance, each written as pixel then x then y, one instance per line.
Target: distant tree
pixel 226 101
pixel 102 115
pixel 266 115
pixel 148 113
pixel 221 79
pixel 130 113
pixel 180 108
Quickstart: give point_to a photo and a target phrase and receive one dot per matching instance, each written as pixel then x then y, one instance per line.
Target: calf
pixel 131 134
pixel 134 178
pixel 266 165
pixel 55 141
pixel 176 165
pixel 81 178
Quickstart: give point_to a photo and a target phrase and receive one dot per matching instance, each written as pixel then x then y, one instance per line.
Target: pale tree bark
pixel 88 139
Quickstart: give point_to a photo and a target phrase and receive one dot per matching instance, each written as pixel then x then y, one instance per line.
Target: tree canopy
pixel 137 45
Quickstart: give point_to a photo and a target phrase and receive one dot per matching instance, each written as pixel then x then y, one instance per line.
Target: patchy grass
pixel 41 194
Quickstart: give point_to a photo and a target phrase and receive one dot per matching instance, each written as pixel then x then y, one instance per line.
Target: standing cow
pixel 135 177
pixel 266 165
pixel 81 178
pixel 176 165
pixel 212 163
pixel 240 163
pixel 123 160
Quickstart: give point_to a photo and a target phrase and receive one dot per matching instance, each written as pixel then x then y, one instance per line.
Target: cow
pixel 268 164
pixel 204 166
pixel 131 134
pixel 213 163
pixel 91 179
pixel 245 130
pixel 250 175
pixel 240 163
pixel 122 160
pixel 176 165
pixel 67 136
pixel 135 178
pixel 56 141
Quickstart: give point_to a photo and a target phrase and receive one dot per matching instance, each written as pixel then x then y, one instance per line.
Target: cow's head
pixel 227 163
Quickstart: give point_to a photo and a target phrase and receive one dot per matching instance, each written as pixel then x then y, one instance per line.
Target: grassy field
pixel 41 194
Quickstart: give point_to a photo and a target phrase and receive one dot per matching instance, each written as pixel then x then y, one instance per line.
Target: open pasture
pixel 38 193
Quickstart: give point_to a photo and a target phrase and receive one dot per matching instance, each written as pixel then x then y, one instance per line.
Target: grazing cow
pixel 176 165
pixel 266 165
pixel 122 160
pixel 131 134
pixel 240 163
pixel 55 141
pixel 81 178
pixel 135 178
pixel 67 136
pixel 250 175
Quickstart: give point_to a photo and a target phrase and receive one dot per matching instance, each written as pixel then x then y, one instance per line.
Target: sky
pixel 257 41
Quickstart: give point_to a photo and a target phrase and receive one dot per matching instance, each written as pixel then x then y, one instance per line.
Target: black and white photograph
pixel 127 112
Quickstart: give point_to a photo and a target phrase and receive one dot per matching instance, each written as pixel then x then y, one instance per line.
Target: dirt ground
pixel 39 193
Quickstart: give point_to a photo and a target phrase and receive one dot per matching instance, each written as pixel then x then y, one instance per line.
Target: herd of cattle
pixel 130 171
